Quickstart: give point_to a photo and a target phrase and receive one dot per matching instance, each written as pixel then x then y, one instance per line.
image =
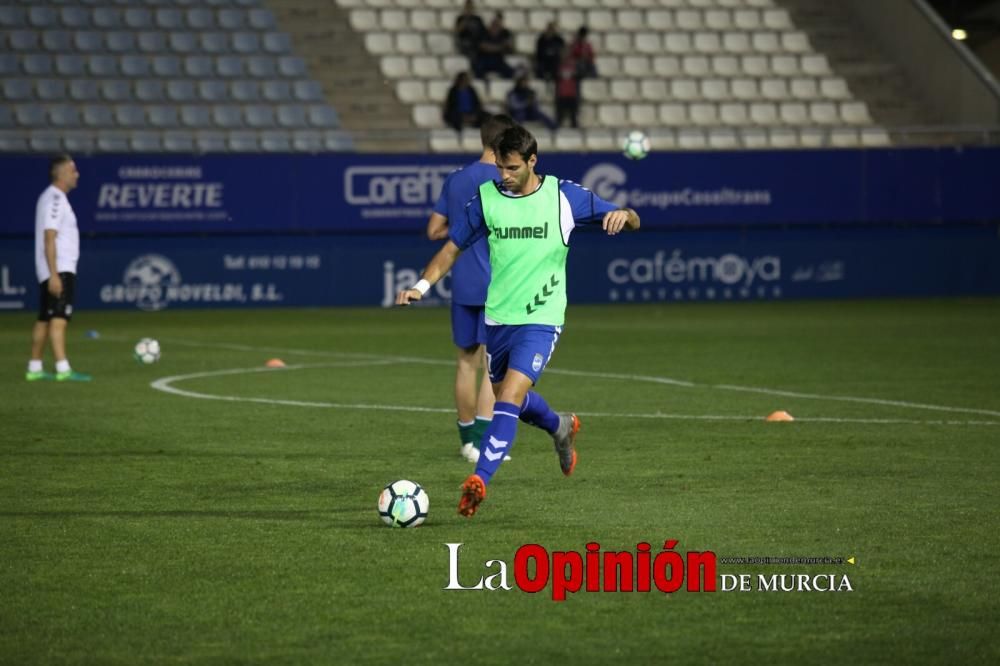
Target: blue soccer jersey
pixel 578 205
pixel 470 276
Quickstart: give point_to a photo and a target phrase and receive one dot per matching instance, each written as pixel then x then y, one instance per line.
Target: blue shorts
pixel 468 325
pixel 525 348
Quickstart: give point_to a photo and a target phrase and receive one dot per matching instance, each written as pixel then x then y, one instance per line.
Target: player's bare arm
pixel 435 270
pixel 55 282
pixel 437 227
pixel 624 219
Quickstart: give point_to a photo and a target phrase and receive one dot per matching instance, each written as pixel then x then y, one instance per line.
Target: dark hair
pixel 493 126
pixel 56 162
pixel 518 140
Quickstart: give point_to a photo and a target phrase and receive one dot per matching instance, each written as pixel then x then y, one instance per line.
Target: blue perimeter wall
pixel 215 231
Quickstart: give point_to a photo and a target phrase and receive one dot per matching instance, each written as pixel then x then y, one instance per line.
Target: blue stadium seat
pixel 181 90
pixel 70 64
pixel 245 90
pixel 277 90
pixel 88 41
pixel 200 18
pixel 120 41
pixel 8 64
pixel 152 42
pixel 137 66
pixel 277 43
pixel 323 116
pixel 13 143
pixel 139 18
pixel 97 115
pixel 243 142
pixel 145 142
pixel 167 65
pixel 260 116
pixel 112 142
pixel 150 90
pixel 292 116
pixel 45 142
pixel 165 116
pixel 43 16
pixel 262 66
pixel 103 65
pixel 214 42
pixel 58 41
pixel 199 67
pixel 116 90
pixel 307 142
pixel 246 42
pixel 170 18
pixel 232 19
pixel 13 17
pixel 30 115
pixel 84 90
pixel 292 67
pixel 18 90
pixel 337 141
pixel 178 142
pixel 74 17
pixel 261 19
pixel 275 142
pixel 50 90
pixel 211 142
pixel 6 117
pixel 77 142
pixel 184 42
pixel 196 116
pixel 37 64
pixel 106 17
pixel 23 40
pixel 308 91
pixel 227 116
pixel 130 115
pixel 213 90
pixel 64 115
pixel 229 66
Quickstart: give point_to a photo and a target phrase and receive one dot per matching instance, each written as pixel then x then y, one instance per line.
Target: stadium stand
pixel 697 73
pixel 161 75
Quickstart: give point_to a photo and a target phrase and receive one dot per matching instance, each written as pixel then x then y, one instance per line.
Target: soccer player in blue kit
pixel 527 218
pixel 470 277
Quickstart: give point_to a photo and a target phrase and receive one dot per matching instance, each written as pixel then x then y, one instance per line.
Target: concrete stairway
pixel 854 54
pixel 351 78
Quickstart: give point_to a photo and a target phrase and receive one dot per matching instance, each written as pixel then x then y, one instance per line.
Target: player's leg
pixel 468 336
pixel 62 312
pixel 530 355
pixel 40 334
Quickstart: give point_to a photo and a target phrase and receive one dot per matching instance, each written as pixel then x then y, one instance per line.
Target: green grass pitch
pixel 234 520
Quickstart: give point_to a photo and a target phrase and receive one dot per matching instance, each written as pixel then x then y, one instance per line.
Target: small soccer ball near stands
pixel 403 504
pixel 636 145
pixel 147 351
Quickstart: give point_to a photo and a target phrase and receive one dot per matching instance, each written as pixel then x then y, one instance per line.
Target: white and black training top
pixel 54 212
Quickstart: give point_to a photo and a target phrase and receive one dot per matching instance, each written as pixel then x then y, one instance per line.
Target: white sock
pixel 35 365
pixel 62 366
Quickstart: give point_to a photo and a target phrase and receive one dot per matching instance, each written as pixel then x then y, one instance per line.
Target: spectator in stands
pixel 548 53
pixel 522 104
pixel 469 30
pixel 583 53
pixel 462 107
pixel 495 44
pixel 567 90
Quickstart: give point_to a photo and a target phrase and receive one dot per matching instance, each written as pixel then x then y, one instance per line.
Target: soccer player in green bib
pixel 527 219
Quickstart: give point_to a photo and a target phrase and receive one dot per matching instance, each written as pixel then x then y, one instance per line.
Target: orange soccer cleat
pixel 565 440
pixel 473 493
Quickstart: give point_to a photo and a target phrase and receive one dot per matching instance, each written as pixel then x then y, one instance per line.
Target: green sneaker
pixel 72 376
pixel 39 376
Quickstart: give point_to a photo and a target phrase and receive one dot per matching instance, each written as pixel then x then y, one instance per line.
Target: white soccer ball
pixel 147 351
pixel 403 504
pixel 636 145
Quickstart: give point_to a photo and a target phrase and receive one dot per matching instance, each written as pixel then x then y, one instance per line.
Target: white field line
pixel 166 384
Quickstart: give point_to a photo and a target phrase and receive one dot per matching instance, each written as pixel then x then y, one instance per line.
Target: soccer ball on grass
pixel 147 351
pixel 403 504
pixel 636 145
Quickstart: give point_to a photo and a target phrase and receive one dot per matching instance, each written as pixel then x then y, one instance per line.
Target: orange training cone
pixel 275 363
pixel 780 416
